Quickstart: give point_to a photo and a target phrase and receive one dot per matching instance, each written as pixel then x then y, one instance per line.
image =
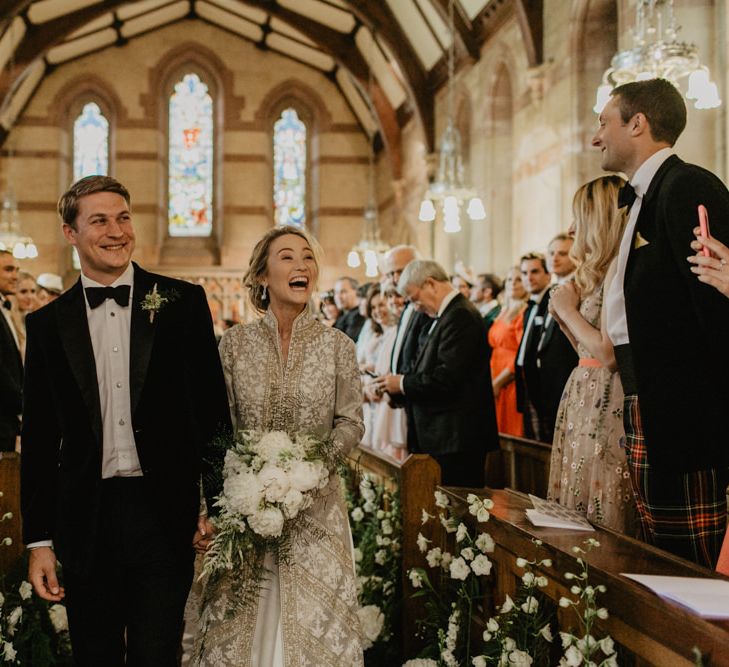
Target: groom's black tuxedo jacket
pixel 178 402
pixel 448 391
pixel 678 326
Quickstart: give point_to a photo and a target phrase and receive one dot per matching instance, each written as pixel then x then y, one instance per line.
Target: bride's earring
pixel 264 294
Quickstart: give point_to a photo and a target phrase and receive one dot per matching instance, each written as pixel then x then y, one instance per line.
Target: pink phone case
pixel 704 227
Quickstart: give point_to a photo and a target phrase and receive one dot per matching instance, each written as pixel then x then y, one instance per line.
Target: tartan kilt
pixel 684 513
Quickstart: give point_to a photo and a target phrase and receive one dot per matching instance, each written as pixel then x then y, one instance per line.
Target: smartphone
pixel 704 227
pixel 372 374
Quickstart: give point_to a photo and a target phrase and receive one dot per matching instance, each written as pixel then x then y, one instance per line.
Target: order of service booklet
pixel 549 514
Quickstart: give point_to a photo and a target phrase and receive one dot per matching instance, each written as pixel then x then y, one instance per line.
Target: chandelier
pixel 11 236
pixel 657 54
pixel 370 246
pixel 449 190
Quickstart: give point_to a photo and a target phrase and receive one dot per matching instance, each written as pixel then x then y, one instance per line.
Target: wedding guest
pixel 11 360
pixel 559 261
pixel 665 324
pixel 462 285
pixel 329 309
pixel 711 270
pixel 350 320
pixel 367 331
pixel 379 318
pixel 390 422
pixel 26 294
pixel 588 469
pixel 120 407
pixel 485 292
pixel 504 337
pixel 50 286
pixel 450 374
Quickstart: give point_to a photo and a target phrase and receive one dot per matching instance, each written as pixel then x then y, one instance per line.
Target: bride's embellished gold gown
pixel 306 614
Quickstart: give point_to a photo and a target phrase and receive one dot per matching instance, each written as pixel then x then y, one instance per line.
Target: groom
pixel 123 392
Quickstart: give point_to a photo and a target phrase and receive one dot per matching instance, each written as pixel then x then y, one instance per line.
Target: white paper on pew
pixel 549 514
pixel 709 598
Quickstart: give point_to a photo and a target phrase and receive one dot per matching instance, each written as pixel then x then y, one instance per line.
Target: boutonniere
pixel 154 300
pixel 640 241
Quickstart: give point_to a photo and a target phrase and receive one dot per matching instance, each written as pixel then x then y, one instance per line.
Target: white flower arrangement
pixel 269 479
pixel 372 621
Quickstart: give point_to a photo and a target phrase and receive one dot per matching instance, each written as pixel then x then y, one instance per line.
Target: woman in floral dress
pixel 289 372
pixel 588 467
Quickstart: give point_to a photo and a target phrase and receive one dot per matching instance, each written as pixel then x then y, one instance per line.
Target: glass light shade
pixel 31 251
pixel 370 259
pixel 451 215
pixel 427 211
pixel 353 260
pixel 475 209
pixel 709 99
pixel 602 97
pixel 19 251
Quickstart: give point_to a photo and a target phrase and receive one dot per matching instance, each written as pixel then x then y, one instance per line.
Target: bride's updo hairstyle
pixel 258 264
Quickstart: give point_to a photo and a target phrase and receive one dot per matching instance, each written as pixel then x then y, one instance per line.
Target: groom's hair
pixel 89 185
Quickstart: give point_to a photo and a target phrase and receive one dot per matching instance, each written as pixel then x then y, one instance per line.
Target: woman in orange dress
pixel 504 337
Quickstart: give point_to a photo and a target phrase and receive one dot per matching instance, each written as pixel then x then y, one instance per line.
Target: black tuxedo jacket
pixel 178 402
pixel 417 329
pixel 549 358
pixel 448 391
pixel 677 325
pixel 351 323
pixel 11 386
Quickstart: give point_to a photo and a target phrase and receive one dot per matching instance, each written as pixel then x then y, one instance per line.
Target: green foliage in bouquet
pixel 376 532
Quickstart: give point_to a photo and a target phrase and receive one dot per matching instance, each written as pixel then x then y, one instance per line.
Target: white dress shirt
pixel 537 299
pixel 110 327
pixel 486 308
pixel 617 320
pixel 405 318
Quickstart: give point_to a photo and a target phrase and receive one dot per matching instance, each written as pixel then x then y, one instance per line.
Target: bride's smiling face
pixel 291 271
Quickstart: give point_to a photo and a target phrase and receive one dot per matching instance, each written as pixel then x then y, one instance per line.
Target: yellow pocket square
pixel 640 241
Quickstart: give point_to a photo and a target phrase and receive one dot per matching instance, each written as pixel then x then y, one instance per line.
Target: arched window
pixel 90 142
pixel 90 150
pixel 289 169
pixel 190 211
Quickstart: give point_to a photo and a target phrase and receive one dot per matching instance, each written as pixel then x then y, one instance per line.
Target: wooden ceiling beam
pixel 11 8
pixel 530 15
pixel 343 50
pixel 463 27
pixel 378 17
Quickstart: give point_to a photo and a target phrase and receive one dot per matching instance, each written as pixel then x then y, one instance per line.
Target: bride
pixel 289 372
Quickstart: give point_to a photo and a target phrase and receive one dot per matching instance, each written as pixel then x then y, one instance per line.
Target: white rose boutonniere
pixel 154 300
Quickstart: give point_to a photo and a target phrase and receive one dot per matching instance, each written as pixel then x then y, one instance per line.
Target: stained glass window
pixel 90 143
pixel 289 169
pixel 90 150
pixel 191 159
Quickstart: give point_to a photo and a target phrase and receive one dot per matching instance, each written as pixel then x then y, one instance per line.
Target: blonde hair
pixel 599 225
pixel 258 263
pixel 508 303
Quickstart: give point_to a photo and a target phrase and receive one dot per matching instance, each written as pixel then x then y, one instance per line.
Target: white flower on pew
pixel 416 579
pixel 448 523
pixel 479 661
pixel 381 514
pixel 492 625
pixel 380 557
pixel 521 562
pixel 528 579
pixel 572 658
pixel 59 617
pixel 25 590
pixel 383 541
pixel 459 569
pixel 9 652
pixel 507 606
pixel 485 543
pixel 371 621
pixel 445 561
pixel 357 514
pixel 434 557
pixel 441 499
pixel 461 533
pixel 425 517
pixel 420 662
pixel 467 553
pixel 565 602
pixel 481 566
pixel 530 605
pixel 357 555
pixel 607 646
pixel 542 581
pixel 386 527
pixel 546 632
pixel 517 658
pixel 423 543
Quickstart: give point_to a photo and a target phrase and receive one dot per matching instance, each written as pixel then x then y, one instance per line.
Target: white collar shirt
pixel 110 329
pixel 536 299
pixel 617 320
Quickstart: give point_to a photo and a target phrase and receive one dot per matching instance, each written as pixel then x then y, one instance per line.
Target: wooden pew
pixel 657 632
pixel 10 502
pixel 525 464
pixel 417 478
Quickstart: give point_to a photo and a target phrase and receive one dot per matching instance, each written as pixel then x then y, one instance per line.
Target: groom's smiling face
pixel 103 235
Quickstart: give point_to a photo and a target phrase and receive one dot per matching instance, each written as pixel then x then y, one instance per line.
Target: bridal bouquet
pixel 269 479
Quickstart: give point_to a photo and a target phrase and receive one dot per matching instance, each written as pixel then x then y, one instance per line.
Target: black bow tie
pixel 626 196
pixel 97 295
pixel 7 305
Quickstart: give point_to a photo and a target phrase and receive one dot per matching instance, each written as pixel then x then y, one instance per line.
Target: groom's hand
pixel 203 535
pixel 42 574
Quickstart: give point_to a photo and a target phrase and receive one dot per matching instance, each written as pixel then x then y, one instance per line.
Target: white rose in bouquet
pixel 323 474
pixel 242 492
pixel 25 590
pixel 303 476
pixel 372 620
pixel 292 503
pixel 13 620
pixel 59 617
pixel 275 483
pixel 268 522
pixel 272 444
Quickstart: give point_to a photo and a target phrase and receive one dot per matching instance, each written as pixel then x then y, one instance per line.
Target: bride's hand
pixel 203 537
